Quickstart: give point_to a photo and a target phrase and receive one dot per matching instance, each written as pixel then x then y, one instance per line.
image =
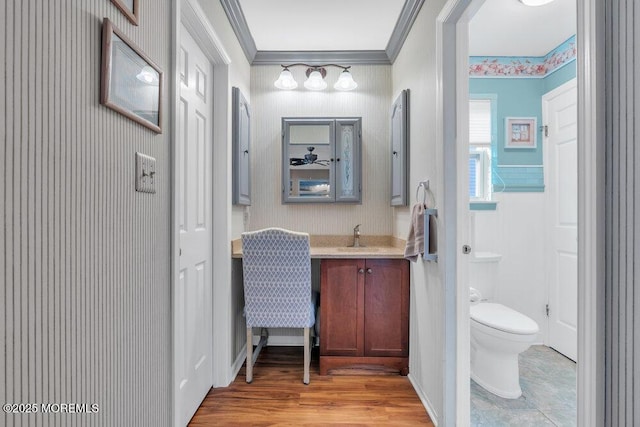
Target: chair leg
pixel 307 355
pixel 249 363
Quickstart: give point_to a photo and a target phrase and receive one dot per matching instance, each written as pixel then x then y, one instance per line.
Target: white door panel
pixel 561 163
pixel 194 365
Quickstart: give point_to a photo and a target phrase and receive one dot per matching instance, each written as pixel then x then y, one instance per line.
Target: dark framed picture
pixel 129 8
pixel 131 83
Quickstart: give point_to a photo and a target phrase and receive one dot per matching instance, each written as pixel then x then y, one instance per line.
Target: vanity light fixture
pixel 315 78
pixel 286 80
pixel 535 2
pixel 345 81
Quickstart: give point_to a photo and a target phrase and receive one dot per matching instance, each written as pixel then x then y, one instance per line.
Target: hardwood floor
pixel 277 396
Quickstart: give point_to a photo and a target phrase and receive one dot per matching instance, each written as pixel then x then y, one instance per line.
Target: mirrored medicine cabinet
pixel 321 160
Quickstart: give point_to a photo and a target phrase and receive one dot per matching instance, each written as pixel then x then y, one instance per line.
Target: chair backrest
pixel 276 265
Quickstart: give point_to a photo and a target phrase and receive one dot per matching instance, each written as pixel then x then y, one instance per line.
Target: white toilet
pixel 498 333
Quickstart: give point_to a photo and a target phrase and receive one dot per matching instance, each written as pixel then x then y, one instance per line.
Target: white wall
pixel 371 101
pixel 516 230
pixel 415 69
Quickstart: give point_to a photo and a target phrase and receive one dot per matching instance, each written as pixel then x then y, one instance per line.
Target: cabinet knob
pixel 369 271
pixel 361 270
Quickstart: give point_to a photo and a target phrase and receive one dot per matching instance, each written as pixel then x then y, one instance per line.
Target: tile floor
pixel 548 381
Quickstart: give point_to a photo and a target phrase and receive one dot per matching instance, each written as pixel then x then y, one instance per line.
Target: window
pixel 480 124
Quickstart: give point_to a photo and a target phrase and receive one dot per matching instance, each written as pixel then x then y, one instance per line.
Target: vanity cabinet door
pixel 341 302
pixel 386 308
pixel 364 315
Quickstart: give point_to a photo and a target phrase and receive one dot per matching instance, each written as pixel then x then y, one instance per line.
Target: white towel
pixel 415 240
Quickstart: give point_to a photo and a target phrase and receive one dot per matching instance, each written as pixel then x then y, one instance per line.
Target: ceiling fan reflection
pixel 308 159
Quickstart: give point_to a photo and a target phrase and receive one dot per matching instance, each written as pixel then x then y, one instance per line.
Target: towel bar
pixel 425 187
pixel 430 250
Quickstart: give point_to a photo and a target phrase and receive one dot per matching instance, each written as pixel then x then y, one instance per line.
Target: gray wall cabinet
pixel 400 150
pixel 321 160
pixel 241 130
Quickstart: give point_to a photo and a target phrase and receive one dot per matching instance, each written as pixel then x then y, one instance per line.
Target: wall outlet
pixel 145 173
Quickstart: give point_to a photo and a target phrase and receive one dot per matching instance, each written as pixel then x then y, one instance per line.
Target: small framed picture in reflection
pixel 314 188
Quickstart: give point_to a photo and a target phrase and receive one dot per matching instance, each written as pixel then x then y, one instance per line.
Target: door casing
pixel 452 57
pixel 189 13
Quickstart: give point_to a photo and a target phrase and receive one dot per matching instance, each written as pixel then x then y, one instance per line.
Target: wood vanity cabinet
pixel 364 315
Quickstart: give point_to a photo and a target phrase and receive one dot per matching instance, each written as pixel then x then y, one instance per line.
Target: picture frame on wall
pixel 129 8
pixel 521 132
pixel 131 83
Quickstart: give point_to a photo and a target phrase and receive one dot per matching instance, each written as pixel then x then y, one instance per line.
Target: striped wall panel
pixel 622 351
pixel 84 259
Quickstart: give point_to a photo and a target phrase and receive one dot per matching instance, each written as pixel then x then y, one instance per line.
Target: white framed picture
pixel 521 132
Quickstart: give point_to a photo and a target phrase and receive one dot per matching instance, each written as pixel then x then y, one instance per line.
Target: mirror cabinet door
pixel 241 125
pixel 308 163
pixel 348 170
pixel 399 150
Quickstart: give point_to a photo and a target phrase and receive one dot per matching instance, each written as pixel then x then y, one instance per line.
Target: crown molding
pixel 194 19
pixel 273 57
pixel 270 57
pixel 400 32
pixel 239 24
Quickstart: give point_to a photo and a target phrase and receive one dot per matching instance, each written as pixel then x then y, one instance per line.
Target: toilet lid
pixel 500 317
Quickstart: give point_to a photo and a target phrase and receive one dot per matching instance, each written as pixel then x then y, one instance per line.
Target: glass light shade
pixel 148 75
pixel 535 2
pixel 286 81
pixel 345 82
pixel 315 81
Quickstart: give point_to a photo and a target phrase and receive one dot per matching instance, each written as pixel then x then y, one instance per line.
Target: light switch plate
pixel 145 173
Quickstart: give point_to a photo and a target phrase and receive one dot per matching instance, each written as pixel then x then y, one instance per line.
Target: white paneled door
pixel 560 114
pixel 193 306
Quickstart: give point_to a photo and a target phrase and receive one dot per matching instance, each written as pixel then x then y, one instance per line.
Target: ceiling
pixel 277 31
pixel 509 28
pixel 327 25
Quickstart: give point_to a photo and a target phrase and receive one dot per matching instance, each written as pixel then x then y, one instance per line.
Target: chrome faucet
pixel 356 236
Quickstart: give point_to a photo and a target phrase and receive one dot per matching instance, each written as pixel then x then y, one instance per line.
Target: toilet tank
pixel 483 273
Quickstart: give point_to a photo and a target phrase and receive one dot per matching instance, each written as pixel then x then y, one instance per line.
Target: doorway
pixel 559 110
pixel 193 311
pixel 214 298
pixel 452 30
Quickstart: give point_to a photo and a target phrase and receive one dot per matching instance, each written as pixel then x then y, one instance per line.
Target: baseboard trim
pixel 425 400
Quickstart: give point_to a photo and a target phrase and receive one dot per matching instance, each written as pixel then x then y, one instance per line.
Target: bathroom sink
pixel 359 249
